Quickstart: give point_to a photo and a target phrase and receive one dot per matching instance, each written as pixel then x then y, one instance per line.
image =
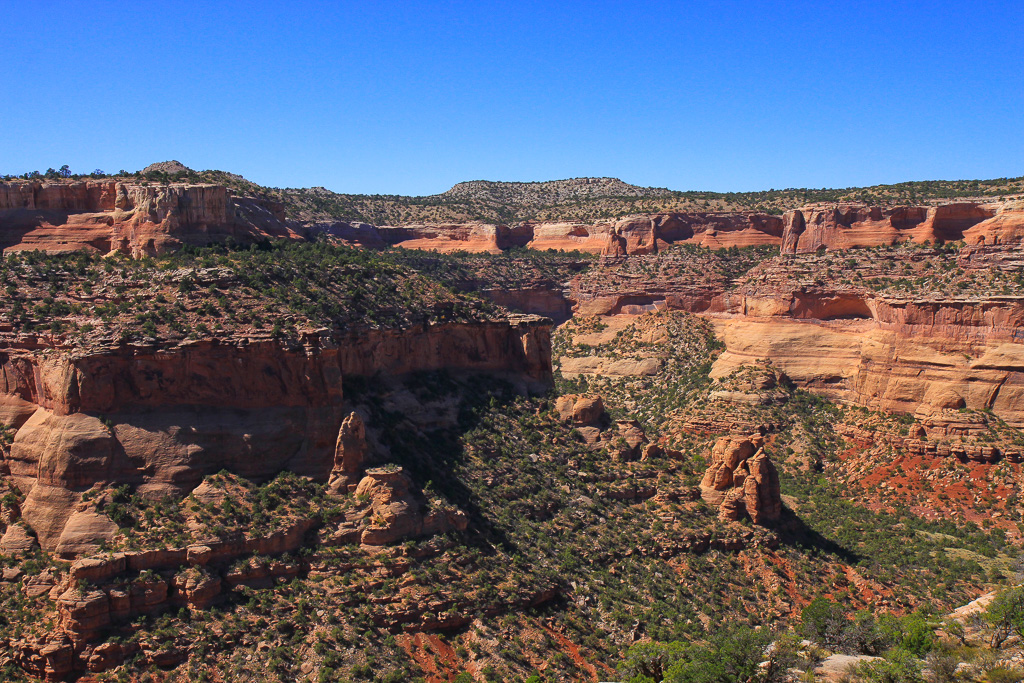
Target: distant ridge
pixel 549 192
pixel 586 199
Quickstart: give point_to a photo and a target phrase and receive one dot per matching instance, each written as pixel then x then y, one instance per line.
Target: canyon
pixel 203 400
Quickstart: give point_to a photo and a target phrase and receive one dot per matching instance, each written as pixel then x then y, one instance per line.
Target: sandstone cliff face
pixel 947 338
pixel 162 420
pixel 845 226
pixel 471 237
pixel 105 215
pixel 643 234
pixel 841 226
pixel 521 347
pixel 650 234
pixel 570 236
pixel 902 367
pixel 442 237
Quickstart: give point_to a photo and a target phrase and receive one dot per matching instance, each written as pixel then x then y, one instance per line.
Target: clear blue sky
pixel 409 98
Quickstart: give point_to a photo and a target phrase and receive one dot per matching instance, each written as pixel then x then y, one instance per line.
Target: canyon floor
pixel 680 445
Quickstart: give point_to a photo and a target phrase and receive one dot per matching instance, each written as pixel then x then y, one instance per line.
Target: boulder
pixel 17 541
pixel 628 445
pixel 580 409
pixel 83 533
pixel 196 588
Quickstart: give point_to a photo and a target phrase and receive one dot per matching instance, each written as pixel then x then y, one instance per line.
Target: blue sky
pixel 410 98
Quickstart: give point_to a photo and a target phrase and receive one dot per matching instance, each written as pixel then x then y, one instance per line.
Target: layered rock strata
pixel 930 353
pixel 641 234
pixel 844 226
pixel 837 226
pixel 106 215
pixel 160 420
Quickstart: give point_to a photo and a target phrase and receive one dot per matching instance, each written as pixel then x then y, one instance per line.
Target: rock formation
pixel 581 410
pixel 136 219
pixel 586 412
pixel 395 513
pixel 650 234
pixel 844 226
pixel 161 419
pixel 635 235
pixel 349 454
pixel 741 480
pixel 841 335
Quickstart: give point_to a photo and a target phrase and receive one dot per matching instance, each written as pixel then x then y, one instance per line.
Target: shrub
pixel 1005 614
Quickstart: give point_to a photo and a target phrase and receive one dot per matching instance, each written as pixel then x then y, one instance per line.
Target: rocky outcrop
pixel 581 410
pixel 912 358
pixel 570 236
pixel 741 480
pixel 349 454
pixel 626 443
pixel 650 234
pixel 546 300
pixel 1006 227
pixel 442 237
pixel 642 234
pixel 519 348
pixel 160 420
pixel 136 219
pixel 844 226
pixel 830 330
pixel 395 513
pixel 471 237
pixel 17 540
pixel 586 413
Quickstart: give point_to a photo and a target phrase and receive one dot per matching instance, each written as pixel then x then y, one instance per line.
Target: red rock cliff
pixel 844 226
pixel 105 215
pixel 162 419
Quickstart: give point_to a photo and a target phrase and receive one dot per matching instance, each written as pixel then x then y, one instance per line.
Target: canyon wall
pixel 838 226
pixel 106 215
pixel 930 358
pixel 161 420
pixel 928 355
pixel 650 234
pixel 642 234
pixel 142 219
pixel 845 226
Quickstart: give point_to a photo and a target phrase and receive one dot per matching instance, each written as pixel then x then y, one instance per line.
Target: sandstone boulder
pixel 741 480
pixel 580 409
pixel 628 444
pixel 83 533
pixel 17 541
pixel 196 588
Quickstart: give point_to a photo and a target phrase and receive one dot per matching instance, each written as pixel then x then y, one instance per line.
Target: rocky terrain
pixel 134 218
pixel 238 444
pixel 167 205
